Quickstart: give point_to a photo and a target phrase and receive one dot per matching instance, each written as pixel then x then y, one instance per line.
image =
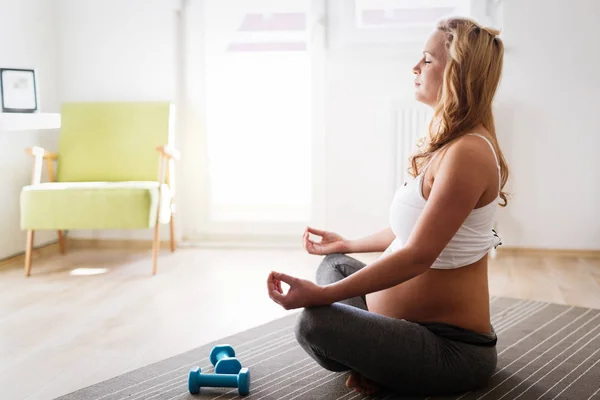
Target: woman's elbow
pixel 422 258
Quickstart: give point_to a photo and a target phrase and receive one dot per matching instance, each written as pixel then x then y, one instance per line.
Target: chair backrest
pixel 113 141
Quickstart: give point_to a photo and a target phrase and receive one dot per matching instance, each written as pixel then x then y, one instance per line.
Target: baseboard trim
pixel 529 251
pixel 74 243
pixel 38 251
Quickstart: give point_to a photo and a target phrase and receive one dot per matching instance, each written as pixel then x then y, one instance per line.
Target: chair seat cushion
pixel 93 205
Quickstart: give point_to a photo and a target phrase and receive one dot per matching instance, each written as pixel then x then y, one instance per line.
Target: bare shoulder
pixel 471 153
pixel 469 164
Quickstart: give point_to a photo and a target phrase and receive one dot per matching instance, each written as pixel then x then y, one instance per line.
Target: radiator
pixel 410 123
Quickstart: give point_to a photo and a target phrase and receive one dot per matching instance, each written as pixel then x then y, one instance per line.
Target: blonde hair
pixel 471 78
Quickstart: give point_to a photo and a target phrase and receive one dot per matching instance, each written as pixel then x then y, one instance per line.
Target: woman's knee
pixel 333 260
pixel 326 273
pixel 305 326
pixel 329 268
pixel 311 324
pixel 315 338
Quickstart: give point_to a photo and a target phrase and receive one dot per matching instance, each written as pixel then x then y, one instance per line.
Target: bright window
pixel 258 110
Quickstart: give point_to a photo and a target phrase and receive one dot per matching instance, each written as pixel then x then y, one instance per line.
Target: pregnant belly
pixel 397 302
pixel 387 302
pixel 458 297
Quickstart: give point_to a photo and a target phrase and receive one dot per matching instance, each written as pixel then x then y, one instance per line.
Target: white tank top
pixel 471 242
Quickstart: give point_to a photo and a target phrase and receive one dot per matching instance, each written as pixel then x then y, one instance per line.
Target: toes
pixel 369 387
pixel 361 385
pixel 352 381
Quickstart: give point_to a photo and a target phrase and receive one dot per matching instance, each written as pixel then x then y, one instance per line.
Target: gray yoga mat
pixel 546 351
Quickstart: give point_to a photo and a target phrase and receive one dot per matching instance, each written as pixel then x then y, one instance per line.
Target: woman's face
pixel 429 70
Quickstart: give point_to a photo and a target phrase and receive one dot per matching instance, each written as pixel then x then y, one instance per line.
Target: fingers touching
pixel 315 231
pixel 309 245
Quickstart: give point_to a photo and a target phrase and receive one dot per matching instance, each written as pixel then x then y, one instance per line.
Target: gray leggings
pixel 402 356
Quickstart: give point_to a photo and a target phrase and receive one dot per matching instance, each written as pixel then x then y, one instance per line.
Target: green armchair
pixel 106 177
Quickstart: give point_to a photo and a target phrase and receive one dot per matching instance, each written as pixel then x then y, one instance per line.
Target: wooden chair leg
pixel 155 247
pixel 172 223
pixel 28 251
pixel 62 242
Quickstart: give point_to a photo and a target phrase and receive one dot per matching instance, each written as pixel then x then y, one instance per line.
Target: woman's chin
pixel 422 99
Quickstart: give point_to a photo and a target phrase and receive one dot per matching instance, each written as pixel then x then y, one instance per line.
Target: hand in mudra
pixel 330 242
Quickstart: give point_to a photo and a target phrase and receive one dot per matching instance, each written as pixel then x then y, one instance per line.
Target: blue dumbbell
pixel 197 380
pixel 224 361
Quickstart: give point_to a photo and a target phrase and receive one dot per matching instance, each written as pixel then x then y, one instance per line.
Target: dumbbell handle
pixel 197 380
pixel 219 380
pixel 222 355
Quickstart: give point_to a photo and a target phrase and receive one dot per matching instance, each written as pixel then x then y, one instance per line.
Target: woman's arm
pixel 376 242
pixel 458 185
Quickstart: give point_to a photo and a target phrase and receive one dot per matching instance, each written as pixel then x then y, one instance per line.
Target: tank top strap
pixel 428 163
pixel 490 144
pixel 495 156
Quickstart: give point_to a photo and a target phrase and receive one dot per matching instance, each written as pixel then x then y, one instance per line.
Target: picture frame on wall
pixel 18 89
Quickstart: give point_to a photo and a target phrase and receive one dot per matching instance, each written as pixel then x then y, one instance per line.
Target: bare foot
pixel 361 384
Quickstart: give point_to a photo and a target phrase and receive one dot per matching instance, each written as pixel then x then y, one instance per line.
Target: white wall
pixel 551 80
pixel 29 41
pixel 116 50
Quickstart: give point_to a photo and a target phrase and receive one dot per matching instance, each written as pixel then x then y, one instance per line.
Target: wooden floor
pixel 60 332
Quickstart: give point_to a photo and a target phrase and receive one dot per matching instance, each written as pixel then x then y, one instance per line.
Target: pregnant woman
pixel 417 320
